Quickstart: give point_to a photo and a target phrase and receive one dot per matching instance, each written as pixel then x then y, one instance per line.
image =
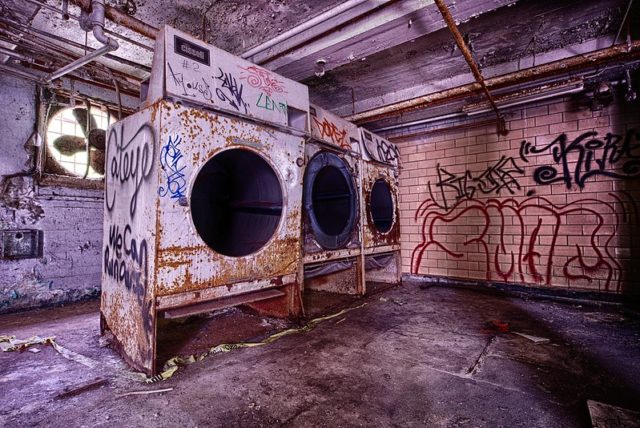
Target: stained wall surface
pixel 555 203
pixel 70 218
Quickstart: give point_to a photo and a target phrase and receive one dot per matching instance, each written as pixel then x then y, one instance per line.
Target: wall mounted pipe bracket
pixel 110 45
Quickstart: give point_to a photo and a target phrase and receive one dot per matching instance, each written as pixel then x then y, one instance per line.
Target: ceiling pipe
pixel 470 125
pixel 527 96
pixel 523 96
pixel 88 9
pixel 19 73
pixel 421 122
pixel 303 27
pixel 624 51
pixel 44 49
pixel 475 70
pixel 13 54
pixel 121 18
pixel 38 34
pixel 110 45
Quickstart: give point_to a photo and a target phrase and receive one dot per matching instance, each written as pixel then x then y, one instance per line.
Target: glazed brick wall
pixel 489 219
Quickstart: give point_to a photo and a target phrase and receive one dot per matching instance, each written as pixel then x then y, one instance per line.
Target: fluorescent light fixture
pixel 419 122
pixel 526 96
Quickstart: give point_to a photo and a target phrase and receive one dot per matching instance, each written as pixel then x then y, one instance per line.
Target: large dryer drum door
pixel 330 200
pixel 381 206
pixel 236 203
pixel 380 193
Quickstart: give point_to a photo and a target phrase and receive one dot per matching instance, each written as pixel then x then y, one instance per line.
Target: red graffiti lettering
pixel 518 241
pixel 262 79
pixel 332 132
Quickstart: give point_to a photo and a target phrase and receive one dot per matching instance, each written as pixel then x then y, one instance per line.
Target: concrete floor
pixel 409 357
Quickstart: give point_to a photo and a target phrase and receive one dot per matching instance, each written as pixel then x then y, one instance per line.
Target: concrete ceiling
pixel 374 53
pixel 432 61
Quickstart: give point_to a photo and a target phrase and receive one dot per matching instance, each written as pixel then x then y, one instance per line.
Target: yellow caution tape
pixel 171 366
pixel 10 344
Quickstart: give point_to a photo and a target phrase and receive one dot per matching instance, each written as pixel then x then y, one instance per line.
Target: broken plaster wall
pixel 70 218
pixel 555 203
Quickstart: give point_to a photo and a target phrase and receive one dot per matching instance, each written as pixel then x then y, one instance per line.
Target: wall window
pixel 68 131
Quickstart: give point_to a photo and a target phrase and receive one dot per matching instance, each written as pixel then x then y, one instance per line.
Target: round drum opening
pixel 381 206
pixel 330 200
pixel 236 202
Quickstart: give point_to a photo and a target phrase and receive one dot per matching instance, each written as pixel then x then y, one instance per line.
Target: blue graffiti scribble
pixel 170 156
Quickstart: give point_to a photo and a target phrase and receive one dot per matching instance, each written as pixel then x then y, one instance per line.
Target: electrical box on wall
pixel 21 244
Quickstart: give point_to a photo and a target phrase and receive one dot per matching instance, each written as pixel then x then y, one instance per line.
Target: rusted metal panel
pixel 230 290
pixel 331 129
pixel 312 250
pixel 154 259
pixel 373 237
pixel 157 256
pixel 382 249
pixel 287 306
pixel 341 282
pixel 331 255
pixel 391 273
pixel 227 302
pixel 203 74
pixel 330 133
pixel 184 262
pixel 127 304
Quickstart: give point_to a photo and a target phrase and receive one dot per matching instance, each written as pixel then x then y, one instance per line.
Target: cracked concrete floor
pixel 410 357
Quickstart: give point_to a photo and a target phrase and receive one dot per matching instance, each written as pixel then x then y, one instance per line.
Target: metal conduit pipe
pixel 475 70
pixel 40 34
pixel 42 48
pixel 302 27
pixel 87 105
pixel 122 18
pixel 110 45
pixel 116 35
pixel 9 52
pixel 20 73
pixel 626 51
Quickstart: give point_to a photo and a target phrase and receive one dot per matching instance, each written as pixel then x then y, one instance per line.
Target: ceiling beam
pixel 579 57
pixel 385 27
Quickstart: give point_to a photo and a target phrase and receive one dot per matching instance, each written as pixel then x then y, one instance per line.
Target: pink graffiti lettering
pixel 262 79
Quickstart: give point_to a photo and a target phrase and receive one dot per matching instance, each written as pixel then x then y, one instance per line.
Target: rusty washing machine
pixel 203 195
pixel 332 226
pixel 381 218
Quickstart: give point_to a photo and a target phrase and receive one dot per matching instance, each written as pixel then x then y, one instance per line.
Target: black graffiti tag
pixel 189 88
pixel 126 262
pixel 587 156
pixel 129 267
pixel 387 152
pixel 503 175
pixel 128 164
pixel 231 92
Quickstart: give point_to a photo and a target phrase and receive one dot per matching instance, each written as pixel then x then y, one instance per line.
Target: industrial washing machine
pixel 381 219
pixel 203 195
pixel 332 226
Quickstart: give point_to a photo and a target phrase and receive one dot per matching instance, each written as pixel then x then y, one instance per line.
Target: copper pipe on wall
pixel 122 18
pixel 622 51
pixel 475 70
